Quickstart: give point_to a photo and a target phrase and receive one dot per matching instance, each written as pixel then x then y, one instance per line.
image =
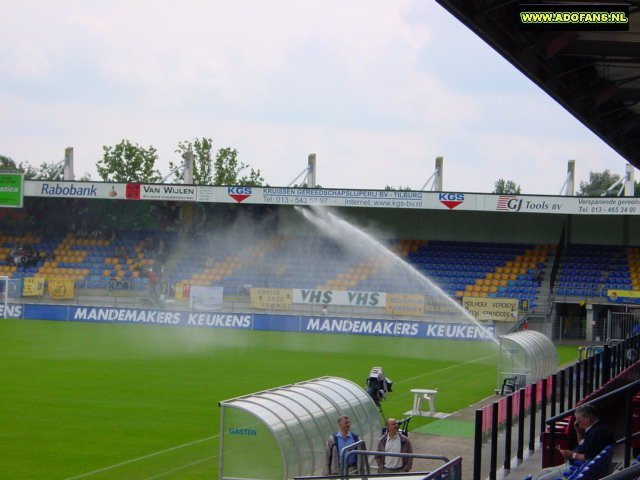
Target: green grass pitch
pixel 106 401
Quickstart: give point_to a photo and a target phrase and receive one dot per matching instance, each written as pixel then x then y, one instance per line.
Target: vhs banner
pixel 340 297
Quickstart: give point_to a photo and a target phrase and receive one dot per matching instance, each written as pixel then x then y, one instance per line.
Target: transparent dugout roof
pixel 528 353
pixel 282 432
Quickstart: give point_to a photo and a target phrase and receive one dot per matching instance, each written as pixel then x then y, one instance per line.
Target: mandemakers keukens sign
pixel 11 190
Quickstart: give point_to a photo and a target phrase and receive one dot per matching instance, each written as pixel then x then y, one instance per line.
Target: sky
pixel 377 89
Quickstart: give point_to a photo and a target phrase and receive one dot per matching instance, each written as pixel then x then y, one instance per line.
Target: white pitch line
pixel 214 436
pixel 182 467
pixel 144 457
pixel 450 367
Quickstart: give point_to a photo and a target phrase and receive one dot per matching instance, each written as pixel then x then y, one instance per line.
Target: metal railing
pixel 626 393
pixel 346 452
pixel 629 473
pixel 522 415
pixel 451 470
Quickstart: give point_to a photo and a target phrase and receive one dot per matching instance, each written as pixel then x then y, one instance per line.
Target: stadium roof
pixel 595 75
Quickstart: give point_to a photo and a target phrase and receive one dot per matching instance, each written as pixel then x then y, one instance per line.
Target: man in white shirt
pixel 394 442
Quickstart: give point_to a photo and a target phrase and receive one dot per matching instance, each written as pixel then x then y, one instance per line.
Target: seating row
pixel 459 268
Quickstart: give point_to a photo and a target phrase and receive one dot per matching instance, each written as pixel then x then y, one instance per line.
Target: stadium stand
pixel 486 270
pixel 278 261
pixel 90 262
pixel 125 259
pixel 483 269
pixel 592 270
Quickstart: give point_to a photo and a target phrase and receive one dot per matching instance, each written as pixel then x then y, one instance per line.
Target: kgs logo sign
pixel 451 200
pixel 509 203
pixel 239 194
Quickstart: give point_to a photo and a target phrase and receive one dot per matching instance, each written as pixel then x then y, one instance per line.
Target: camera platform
pixel 422 396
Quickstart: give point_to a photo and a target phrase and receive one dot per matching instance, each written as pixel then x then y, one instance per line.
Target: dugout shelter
pixel 525 357
pixel 287 428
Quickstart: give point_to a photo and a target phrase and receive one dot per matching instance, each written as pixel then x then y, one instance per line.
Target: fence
pixel 621 325
pixel 522 416
pixel 106 292
pixel 569 328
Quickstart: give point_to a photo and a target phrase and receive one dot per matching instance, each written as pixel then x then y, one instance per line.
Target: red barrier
pixel 487 416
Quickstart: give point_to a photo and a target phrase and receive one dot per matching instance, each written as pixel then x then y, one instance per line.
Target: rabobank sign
pixel 68 190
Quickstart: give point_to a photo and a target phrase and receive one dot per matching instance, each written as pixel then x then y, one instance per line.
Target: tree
pixel 45 172
pixel 127 162
pixel 506 187
pixel 7 163
pixel 202 161
pixel 599 182
pixel 399 187
pixel 224 169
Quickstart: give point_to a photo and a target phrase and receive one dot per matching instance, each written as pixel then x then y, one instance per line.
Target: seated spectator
pixel 593 436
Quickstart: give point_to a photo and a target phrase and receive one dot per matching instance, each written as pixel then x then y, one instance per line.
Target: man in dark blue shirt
pixel 593 436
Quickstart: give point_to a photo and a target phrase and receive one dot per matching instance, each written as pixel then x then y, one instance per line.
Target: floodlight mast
pixel 68 163
pixel 309 173
pixel 56 169
pixel 64 167
pixel 311 165
pixel 436 177
pixel 186 167
pixel 569 183
pixel 626 183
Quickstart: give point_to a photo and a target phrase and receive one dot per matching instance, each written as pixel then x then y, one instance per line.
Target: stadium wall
pixel 248 321
pixel 482 226
pixel 398 214
pixel 461 225
pixel 602 230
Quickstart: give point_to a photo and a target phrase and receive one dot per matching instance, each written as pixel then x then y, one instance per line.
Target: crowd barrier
pixel 251 321
pixel 523 416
